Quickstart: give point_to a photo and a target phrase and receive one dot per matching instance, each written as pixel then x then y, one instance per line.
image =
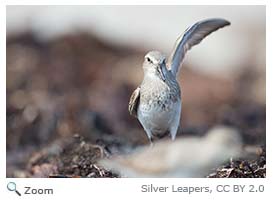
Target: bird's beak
pixel 161 69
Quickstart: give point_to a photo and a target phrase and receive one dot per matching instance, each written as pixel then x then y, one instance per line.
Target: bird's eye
pixel 148 59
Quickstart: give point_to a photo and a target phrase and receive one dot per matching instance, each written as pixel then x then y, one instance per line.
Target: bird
pixel 185 157
pixel 156 102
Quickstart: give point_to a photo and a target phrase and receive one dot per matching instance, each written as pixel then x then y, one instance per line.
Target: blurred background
pixel 72 69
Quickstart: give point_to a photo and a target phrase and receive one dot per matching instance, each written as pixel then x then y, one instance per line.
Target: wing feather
pixel 192 36
pixel 134 102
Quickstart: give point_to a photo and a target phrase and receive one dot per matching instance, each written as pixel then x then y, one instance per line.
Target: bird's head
pixel 155 65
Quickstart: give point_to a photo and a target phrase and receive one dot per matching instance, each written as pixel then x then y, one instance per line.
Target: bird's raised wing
pixel 134 102
pixel 192 36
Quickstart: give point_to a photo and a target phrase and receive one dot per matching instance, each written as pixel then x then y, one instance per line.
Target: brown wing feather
pixel 134 102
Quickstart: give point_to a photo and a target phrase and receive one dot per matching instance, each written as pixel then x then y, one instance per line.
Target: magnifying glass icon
pixel 12 187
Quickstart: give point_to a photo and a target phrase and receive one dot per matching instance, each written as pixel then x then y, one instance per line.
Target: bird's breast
pixel 159 104
pixel 159 96
pixel 158 115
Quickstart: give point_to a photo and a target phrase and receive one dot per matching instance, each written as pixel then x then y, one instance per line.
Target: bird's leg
pixel 151 141
pixel 149 135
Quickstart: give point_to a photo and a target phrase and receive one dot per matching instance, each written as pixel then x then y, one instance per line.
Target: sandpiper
pixel 157 101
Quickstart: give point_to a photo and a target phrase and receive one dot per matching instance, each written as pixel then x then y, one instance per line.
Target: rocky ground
pixel 67 107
